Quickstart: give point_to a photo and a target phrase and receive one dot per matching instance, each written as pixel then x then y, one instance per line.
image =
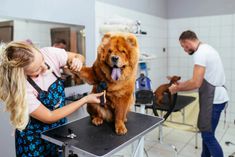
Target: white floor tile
pixel 229 136
pixel 160 150
pixel 184 142
pixel 190 150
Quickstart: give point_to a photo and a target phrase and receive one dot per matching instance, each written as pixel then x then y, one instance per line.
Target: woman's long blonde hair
pixel 14 57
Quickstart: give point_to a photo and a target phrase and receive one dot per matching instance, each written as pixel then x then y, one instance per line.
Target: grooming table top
pixel 102 140
pixel 181 102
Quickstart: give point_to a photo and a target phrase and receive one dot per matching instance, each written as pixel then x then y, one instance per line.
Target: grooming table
pixel 93 141
pixel 188 100
pixel 181 102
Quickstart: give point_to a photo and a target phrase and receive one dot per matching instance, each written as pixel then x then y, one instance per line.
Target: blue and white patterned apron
pixel 28 142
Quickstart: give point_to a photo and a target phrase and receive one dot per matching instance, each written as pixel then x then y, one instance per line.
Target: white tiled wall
pixel 152 43
pixel 218 31
pixel 38 32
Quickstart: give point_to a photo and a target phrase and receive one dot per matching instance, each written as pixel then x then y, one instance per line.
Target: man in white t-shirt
pixel 209 78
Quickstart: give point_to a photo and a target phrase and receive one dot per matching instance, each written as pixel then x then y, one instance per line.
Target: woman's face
pixel 37 67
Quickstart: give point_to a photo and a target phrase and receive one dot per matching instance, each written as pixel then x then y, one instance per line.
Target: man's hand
pixel 173 89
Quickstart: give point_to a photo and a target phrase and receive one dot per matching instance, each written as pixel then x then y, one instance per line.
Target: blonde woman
pixel 31 89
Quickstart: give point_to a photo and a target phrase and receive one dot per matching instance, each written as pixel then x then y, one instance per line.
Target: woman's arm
pixel 72 55
pixel 46 116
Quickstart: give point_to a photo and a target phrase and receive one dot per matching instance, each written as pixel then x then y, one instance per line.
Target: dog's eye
pixel 110 51
pixel 123 51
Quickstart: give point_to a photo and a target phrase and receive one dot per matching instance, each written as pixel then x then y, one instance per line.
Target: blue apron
pixel 28 142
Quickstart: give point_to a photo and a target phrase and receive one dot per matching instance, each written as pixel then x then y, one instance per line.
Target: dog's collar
pixel 101 86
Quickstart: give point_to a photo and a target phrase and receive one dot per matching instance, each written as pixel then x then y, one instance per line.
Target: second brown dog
pixel 159 92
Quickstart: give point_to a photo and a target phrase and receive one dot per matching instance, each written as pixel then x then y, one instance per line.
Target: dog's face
pixel 174 79
pixel 118 53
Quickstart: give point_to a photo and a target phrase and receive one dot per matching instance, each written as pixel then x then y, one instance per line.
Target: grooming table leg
pixel 183 114
pixel 139 150
pixel 141 141
pixel 65 151
pixel 196 140
pixel 160 138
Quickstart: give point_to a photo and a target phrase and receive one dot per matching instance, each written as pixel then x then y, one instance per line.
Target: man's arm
pixel 194 83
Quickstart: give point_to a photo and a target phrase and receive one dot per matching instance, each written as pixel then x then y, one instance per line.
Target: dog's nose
pixel 114 59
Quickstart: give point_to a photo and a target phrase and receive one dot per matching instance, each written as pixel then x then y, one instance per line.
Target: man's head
pixel 189 41
pixel 60 43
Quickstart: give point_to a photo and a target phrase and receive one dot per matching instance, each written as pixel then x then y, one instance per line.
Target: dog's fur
pixel 159 92
pixel 116 51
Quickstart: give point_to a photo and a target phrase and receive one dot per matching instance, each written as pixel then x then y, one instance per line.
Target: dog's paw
pixel 97 121
pixel 120 129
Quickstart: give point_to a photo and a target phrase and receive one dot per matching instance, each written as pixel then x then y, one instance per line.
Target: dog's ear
pixel 169 78
pixel 106 37
pixel 132 40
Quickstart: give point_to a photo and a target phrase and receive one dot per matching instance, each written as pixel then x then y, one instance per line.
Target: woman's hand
pixel 76 64
pixel 94 98
pixel 75 61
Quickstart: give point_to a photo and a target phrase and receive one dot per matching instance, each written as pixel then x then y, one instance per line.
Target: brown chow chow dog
pixel 159 92
pixel 115 68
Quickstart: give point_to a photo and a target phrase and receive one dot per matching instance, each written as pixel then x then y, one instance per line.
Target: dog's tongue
pixel 116 73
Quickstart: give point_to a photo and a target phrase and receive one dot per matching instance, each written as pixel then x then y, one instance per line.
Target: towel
pixel 191 115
